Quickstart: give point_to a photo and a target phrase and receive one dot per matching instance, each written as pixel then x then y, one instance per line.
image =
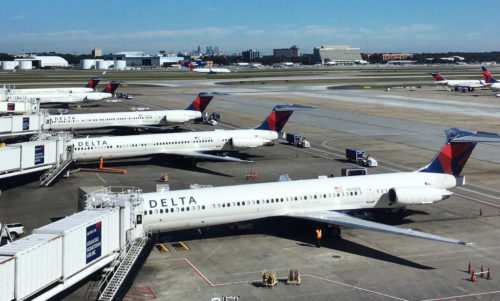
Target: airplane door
pixel 219 143
pixel 370 195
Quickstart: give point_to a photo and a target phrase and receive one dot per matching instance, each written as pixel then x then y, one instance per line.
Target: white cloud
pixel 405 29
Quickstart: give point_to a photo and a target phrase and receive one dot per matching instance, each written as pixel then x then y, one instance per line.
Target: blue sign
pixel 26 123
pixel 39 154
pixel 94 242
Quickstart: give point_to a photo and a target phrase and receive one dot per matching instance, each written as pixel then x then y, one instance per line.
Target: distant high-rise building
pixel 337 54
pixel 250 55
pixel 287 52
pixel 97 52
pixel 198 51
pixel 209 50
pixel 216 50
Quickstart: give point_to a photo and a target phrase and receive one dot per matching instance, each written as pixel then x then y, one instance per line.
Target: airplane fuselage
pixel 195 208
pixel 172 143
pixel 128 119
pixel 66 97
pixel 462 83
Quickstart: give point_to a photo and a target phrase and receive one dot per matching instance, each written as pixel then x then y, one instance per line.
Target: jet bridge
pixel 51 152
pixel 22 125
pixel 24 105
pixel 107 236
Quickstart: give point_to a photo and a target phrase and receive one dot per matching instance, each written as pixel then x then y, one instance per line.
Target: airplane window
pixel 161 210
pixel 324 196
pixel 272 200
pixel 234 204
pixel 282 200
pixel 203 207
pixel 351 193
pixel 145 213
pixel 171 209
pixel 267 201
pixel 194 207
pixel 182 209
pixel 177 209
pixel 228 205
pixel 258 202
pixel 296 198
pixel 156 211
pixel 305 197
pixel 238 203
pixel 223 205
pixel 218 205
pixel 243 203
pixel 150 211
pixel 355 193
pixel 213 206
pixel 338 194
pixel 187 208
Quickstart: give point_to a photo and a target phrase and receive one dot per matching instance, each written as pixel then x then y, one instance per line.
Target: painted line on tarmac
pixel 492 293
pixel 100 177
pixel 477 201
pixel 257 281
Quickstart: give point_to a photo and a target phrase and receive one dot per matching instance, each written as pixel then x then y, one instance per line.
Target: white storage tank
pixel 8 65
pixel 7 274
pixel 87 64
pixel 88 236
pixel 25 65
pixel 37 262
pixel 120 65
pixel 101 65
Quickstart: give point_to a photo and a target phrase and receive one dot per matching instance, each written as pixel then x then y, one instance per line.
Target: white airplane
pixel 89 87
pixel 457 84
pixel 148 119
pixel 323 200
pixel 490 80
pixel 186 144
pixel 212 70
pixel 67 97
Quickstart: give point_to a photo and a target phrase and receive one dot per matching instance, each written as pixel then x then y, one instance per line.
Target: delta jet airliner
pixel 68 97
pixel 457 84
pixel 33 93
pixel 186 144
pixel 324 200
pixel 148 119
pixel 490 80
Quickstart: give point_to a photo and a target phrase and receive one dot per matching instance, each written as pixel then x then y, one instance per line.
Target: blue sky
pixel 150 26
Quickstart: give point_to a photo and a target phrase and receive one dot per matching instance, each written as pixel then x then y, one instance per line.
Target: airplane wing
pixel 342 219
pixel 209 156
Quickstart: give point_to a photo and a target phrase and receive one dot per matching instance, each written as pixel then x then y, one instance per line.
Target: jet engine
pixel 238 142
pixel 93 97
pixel 417 195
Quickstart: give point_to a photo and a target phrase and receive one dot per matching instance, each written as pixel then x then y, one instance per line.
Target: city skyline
pixel 426 26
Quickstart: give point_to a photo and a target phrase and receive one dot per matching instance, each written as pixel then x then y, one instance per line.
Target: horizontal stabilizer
pixel 478 137
pixel 209 157
pixel 292 107
pixel 342 219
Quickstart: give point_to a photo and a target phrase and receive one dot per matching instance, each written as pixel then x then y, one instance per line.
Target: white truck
pixel 297 140
pixel 15 230
pixel 357 155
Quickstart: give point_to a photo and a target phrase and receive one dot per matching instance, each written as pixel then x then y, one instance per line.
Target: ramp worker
pixel 318 237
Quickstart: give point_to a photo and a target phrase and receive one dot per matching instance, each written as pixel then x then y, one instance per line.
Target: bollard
pixel 473 276
pixel 470 268
pixel 482 271
pixel 488 275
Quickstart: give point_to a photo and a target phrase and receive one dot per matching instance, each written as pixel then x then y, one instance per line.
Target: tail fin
pixel 488 78
pixel 437 77
pixel 111 87
pixel 458 147
pixel 93 82
pixel 201 102
pixel 279 116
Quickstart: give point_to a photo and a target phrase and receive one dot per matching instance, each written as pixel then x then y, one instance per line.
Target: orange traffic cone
pixel 473 277
pixel 255 176
pixel 470 268
pixel 482 271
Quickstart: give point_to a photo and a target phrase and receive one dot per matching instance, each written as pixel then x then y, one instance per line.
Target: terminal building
pixel 341 55
pixel 287 52
pixel 250 55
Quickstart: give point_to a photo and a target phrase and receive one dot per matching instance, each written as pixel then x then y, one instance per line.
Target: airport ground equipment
pixel 11 231
pixel 293 277
pixel 359 156
pixel 269 279
pixel 297 140
pixel 353 171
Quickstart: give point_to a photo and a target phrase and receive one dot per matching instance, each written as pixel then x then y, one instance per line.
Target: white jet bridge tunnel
pixel 107 237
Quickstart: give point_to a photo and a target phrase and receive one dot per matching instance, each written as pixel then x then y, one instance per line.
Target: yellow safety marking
pixel 184 245
pixel 163 248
